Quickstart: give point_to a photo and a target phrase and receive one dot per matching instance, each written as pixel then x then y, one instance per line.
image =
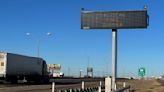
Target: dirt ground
pixel 145 86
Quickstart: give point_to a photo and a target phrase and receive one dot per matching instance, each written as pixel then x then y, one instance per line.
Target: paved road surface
pixel 45 88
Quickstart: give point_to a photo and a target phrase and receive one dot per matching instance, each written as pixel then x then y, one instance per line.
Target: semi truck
pixel 14 67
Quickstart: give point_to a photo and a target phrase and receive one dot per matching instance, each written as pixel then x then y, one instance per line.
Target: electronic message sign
pixel 114 19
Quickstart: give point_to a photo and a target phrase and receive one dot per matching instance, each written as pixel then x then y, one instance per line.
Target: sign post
pixel 114 20
pixel 114 58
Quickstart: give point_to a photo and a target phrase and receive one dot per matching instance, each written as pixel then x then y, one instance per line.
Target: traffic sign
pixel 114 19
pixel 141 72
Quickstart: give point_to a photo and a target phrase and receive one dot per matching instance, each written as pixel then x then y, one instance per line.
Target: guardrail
pixel 81 89
pixel 89 89
pixel 93 88
pixel 124 89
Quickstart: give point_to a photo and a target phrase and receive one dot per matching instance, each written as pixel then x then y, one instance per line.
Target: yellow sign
pixel 57 65
pixel 54 66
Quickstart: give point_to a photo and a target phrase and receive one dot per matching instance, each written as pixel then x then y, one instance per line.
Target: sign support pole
pixel 114 59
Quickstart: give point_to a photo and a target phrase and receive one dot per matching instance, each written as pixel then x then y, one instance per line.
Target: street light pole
pixel 38 48
pixel 38 42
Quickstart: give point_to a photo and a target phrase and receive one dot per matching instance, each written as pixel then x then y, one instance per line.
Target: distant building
pixel 90 72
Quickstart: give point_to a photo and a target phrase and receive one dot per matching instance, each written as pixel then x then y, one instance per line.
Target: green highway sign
pixel 141 71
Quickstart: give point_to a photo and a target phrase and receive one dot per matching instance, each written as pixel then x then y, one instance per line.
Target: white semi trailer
pixel 14 67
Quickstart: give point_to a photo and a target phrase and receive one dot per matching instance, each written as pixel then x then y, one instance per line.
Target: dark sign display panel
pixel 114 19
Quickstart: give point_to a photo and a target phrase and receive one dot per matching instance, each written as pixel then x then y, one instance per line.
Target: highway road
pixel 61 84
pixel 45 88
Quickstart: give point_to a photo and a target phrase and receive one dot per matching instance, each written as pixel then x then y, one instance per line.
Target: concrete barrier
pixel 108 84
pixel 53 86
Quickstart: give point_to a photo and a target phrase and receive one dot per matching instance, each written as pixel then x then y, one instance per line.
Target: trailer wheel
pixel 14 81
